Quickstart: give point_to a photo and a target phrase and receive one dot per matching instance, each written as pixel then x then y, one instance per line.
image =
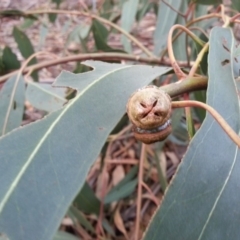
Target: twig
pixel 91 56
pixel 180 74
pixel 123 161
pixel 190 23
pixel 200 30
pixel 103 20
pixel 229 131
pixel 187 85
pixel 234 18
pixel 152 196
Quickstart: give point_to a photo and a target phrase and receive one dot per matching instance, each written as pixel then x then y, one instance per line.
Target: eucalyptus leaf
pixel 45 97
pixel 129 11
pixel 100 34
pixel 122 192
pixel 87 201
pixel 236 4
pixel 26 48
pixel 107 7
pixel 165 20
pixel 60 235
pixel 208 2
pixel 75 214
pixel 50 159
pixel 180 45
pixel 203 200
pixel 43 31
pixel 12 96
pixel 53 16
pixel 124 188
pixel 9 59
pixel 145 7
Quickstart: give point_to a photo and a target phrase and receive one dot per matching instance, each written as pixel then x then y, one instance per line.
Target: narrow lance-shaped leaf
pixel 129 11
pixel 9 59
pixel 61 235
pixel 49 159
pixel 25 47
pixel 180 45
pixel 79 217
pixel 53 16
pixel 203 201
pixel 207 2
pixel 12 96
pixel 165 20
pixel 236 5
pixel 100 34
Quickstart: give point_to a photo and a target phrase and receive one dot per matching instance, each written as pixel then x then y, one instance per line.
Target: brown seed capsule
pixel 149 110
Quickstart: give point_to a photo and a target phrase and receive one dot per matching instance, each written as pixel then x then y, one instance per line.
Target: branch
pixel 92 56
pixel 186 85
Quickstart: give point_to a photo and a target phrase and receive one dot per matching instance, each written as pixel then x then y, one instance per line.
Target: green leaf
pixel 79 35
pixel 11 13
pixel 180 45
pixel 107 226
pixel 124 188
pixel 77 216
pixel 190 124
pixel 27 23
pixel 53 16
pixel 165 20
pixel 25 47
pixel 203 198
pixel 100 34
pixel 87 201
pixel 45 97
pixel 207 2
pixel 145 7
pixel 49 160
pixel 200 96
pixel 121 192
pixel 43 31
pixel 199 12
pixel 107 9
pixel 236 5
pixel 179 129
pixel 60 235
pixel 129 11
pixel 81 31
pixel 10 60
pixel 12 96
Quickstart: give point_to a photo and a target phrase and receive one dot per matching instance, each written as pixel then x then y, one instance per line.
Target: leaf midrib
pixel 34 152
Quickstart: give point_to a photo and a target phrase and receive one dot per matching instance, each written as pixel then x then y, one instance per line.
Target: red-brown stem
pixel 92 56
pixel 180 74
pixel 229 131
pixel 212 15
